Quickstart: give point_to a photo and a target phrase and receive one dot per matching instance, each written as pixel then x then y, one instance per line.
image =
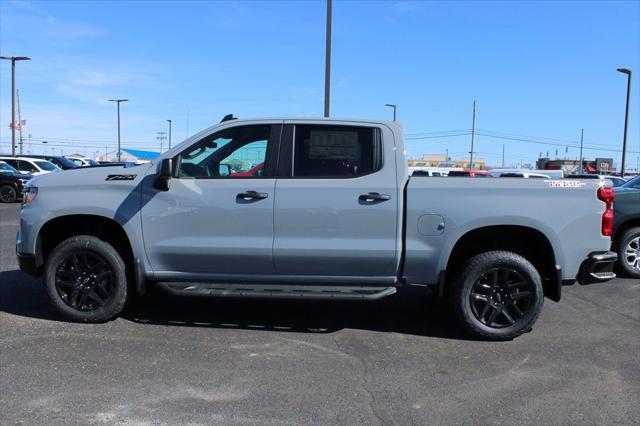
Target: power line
pixel 554 144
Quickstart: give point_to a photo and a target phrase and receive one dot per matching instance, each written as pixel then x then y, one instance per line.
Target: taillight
pixel 607 195
pixel 29 194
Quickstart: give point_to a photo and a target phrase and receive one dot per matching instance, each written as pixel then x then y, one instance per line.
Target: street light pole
pixel 13 60
pixel 117 101
pixel 394 106
pixel 169 133
pixel 327 62
pixel 626 117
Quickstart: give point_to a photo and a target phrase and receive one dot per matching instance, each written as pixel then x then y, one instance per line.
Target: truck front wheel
pixel 85 279
pixel 498 295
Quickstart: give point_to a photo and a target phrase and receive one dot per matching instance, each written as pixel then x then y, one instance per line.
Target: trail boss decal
pixel 121 177
pixel 565 184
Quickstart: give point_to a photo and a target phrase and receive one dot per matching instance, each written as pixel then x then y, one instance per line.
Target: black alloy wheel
pixel 84 281
pixel 497 295
pixel 500 297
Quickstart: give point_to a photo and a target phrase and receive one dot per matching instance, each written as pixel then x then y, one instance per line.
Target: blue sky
pixel 541 69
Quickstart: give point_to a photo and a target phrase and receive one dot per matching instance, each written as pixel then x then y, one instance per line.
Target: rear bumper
pixel 597 268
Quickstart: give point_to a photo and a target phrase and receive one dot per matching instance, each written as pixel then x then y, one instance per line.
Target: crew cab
pixel 332 215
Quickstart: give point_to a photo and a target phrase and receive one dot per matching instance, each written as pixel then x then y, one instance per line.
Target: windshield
pixel 66 162
pixel 5 168
pixel 633 183
pixel 45 165
pixel 92 162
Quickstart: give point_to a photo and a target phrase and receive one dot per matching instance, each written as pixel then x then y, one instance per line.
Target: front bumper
pixel 27 263
pixel 597 268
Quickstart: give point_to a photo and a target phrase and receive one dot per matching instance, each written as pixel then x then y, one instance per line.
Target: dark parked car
pixel 11 183
pixel 63 162
pixel 115 164
pixel 626 227
pixel 471 173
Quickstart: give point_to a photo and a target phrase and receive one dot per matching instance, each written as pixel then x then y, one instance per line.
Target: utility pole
pixel 394 106
pixel 169 133
pixel 473 135
pixel 161 137
pixel 13 60
pixel 447 158
pixel 626 117
pixel 327 62
pixel 581 143
pixel 503 156
pixel 118 102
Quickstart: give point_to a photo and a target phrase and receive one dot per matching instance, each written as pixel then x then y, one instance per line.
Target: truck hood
pixel 90 175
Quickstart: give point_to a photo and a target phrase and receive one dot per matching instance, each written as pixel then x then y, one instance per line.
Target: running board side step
pixel 280 291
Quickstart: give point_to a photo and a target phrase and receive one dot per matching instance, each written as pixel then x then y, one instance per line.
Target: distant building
pixel 132 155
pixel 599 165
pixel 441 160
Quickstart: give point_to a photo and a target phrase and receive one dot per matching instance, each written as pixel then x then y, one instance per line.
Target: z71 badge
pixel 121 177
pixel 566 184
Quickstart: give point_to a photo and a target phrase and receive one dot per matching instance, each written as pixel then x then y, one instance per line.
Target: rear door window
pixel 336 151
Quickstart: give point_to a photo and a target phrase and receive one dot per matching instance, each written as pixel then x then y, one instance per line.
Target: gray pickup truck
pixel 311 209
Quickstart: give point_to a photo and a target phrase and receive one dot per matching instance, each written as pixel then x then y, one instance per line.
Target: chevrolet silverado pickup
pixel 332 214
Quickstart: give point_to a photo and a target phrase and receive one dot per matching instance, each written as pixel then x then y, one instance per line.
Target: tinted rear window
pixel 336 151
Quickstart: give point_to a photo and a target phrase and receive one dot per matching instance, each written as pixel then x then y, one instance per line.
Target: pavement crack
pixel 364 382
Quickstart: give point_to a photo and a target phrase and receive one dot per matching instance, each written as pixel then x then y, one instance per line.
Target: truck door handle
pixel 252 195
pixel 374 196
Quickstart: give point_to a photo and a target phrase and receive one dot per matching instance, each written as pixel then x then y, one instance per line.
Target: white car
pixel 525 173
pixel 31 166
pixel 428 171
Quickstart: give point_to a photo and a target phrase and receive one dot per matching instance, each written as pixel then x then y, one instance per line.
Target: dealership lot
pixel 397 361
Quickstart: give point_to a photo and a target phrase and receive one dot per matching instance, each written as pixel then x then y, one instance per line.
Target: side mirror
pixel 224 170
pixel 163 179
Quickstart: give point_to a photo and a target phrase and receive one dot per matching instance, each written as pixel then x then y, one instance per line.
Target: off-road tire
pixel 93 248
pixel 472 275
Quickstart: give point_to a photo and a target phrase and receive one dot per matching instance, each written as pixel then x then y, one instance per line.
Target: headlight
pixel 29 194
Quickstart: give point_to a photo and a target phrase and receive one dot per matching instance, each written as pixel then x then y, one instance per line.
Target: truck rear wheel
pixel 498 295
pixel 85 279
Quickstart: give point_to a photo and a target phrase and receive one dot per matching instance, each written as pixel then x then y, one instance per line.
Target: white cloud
pixel 89 78
pixel 81 94
pixel 407 6
pixel 40 21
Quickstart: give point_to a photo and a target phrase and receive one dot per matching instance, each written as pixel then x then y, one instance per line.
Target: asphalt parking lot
pixel 397 361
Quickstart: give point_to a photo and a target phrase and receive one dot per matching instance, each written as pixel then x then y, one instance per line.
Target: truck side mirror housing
pixel 163 179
